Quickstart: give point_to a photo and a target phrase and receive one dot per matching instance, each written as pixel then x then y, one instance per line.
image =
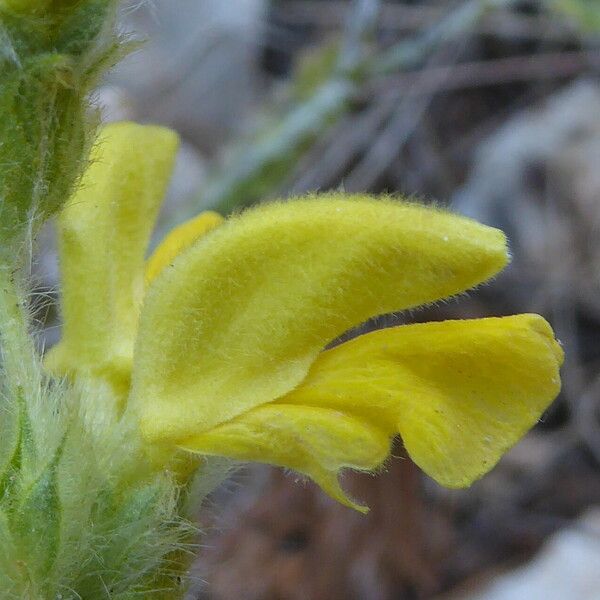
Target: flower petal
pixel 461 393
pixel 178 240
pixel 317 442
pixel 103 236
pixel 241 315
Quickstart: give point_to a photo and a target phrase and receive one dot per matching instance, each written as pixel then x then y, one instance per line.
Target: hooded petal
pixel 103 236
pixel 240 317
pixel 460 393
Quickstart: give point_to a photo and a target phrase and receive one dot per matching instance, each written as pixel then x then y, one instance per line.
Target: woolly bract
pixel 222 351
pixel 51 54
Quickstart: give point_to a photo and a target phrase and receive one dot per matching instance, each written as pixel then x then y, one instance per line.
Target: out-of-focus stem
pixel 411 53
pixel 301 123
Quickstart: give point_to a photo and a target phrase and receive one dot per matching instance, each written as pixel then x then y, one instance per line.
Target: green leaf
pixel 23 453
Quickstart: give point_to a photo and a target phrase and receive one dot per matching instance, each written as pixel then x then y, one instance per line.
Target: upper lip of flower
pixel 228 357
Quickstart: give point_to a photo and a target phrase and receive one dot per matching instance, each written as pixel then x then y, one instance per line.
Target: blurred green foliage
pixel 323 88
pixel 585 12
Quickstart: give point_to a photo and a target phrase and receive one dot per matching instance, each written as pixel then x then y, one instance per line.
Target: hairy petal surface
pixel 460 393
pixel 315 441
pixel 239 318
pixel 103 235
pixel 178 240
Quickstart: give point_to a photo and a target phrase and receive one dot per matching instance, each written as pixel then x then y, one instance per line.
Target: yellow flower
pixel 217 343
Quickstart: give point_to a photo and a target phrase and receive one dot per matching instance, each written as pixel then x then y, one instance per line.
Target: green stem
pixel 19 360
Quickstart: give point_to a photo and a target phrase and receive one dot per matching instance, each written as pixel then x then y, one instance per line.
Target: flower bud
pixel 51 52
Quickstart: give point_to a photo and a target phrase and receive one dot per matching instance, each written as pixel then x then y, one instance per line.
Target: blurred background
pixel 491 107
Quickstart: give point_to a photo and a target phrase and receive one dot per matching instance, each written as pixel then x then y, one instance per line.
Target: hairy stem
pixel 17 349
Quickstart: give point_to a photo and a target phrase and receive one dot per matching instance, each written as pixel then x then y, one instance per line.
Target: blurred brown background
pixel 491 107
